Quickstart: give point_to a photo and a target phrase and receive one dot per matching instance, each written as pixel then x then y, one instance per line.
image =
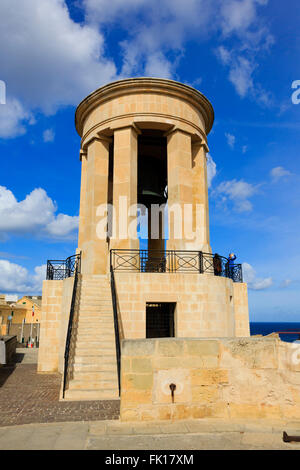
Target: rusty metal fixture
pixel 172 388
pixel 287 438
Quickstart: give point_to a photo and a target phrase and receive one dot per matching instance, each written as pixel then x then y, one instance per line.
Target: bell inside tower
pixel 152 185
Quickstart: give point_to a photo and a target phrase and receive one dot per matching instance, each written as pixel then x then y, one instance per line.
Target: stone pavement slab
pixel 202 434
pixel 28 397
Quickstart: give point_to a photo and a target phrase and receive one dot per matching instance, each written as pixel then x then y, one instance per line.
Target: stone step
pixel 93 385
pixel 95 342
pixel 103 375
pixel 105 343
pixel 108 394
pixel 92 335
pixel 95 324
pixel 87 334
pixel 95 287
pixel 95 314
pixel 108 367
pixel 96 308
pixel 105 356
pixel 104 326
pixel 89 352
pixel 95 311
pixel 85 316
pixel 95 295
pixel 94 367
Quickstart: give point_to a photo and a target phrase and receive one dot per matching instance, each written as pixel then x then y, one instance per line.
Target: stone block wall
pixel 220 378
pixel 206 305
pixel 56 304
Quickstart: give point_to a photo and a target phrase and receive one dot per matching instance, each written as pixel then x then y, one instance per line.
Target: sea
pixel 291 330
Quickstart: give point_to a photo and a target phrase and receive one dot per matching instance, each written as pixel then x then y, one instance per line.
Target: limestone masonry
pixel 144 318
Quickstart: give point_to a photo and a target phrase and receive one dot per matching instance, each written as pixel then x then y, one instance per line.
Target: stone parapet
pixel 228 378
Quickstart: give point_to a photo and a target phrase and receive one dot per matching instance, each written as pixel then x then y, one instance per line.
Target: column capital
pixel 201 143
pixel 82 153
pixel 95 138
pixel 176 129
pixel 132 126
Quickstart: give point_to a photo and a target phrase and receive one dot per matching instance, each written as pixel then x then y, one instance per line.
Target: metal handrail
pixel 174 261
pixel 58 270
pixel 70 327
pixel 116 324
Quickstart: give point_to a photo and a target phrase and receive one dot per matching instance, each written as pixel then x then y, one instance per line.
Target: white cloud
pixel 288 282
pixel 238 192
pixel 13 119
pixel 254 282
pixel 240 19
pixel 244 148
pixel 35 215
pixel 48 135
pixel 285 283
pixel 240 76
pixel 230 140
pixel 237 15
pixel 158 66
pixel 161 26
pixel 211 170
pixel 61 225
pixel 62 61
pixel 16 279
pixel 279 172
pixel 48 60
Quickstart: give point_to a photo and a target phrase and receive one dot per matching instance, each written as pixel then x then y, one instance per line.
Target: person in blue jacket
pixel 231 260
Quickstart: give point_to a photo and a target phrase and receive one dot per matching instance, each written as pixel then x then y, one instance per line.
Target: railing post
pixel 201 269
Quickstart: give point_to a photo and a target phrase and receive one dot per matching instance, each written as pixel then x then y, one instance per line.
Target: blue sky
pixel 242 54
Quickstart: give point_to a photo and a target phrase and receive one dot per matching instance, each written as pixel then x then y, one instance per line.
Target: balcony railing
pixel 57 270
pixel 170 261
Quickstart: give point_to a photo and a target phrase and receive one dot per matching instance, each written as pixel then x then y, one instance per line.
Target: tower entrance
pixel 160 320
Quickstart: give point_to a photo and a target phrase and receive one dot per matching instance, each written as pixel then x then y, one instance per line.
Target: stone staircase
pixel 94 365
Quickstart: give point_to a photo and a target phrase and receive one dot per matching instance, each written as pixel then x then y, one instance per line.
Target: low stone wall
pixel 8 346
pixel 219 378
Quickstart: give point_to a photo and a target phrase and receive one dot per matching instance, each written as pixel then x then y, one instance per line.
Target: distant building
pixel 12 312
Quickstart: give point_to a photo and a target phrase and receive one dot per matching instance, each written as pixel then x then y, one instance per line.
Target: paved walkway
pixel 202 434
pixel 28 397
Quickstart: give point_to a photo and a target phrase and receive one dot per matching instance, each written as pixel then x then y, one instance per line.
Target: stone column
pixel 94 247
pixel 180 190
pixel 82 209
pixel 200 197
pixel 125 188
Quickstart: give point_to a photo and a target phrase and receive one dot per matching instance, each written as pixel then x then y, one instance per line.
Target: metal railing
pixel 57 270
pixel 70 328
pixel 116 325
pixel 171 261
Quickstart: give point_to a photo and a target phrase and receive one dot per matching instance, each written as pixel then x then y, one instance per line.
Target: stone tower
pixel 143 153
